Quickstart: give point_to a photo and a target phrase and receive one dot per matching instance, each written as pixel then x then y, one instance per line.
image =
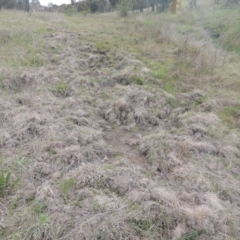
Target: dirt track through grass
pixel 115 130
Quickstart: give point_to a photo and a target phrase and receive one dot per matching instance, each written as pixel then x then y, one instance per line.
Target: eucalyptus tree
pixel 193 4
pixel 17 4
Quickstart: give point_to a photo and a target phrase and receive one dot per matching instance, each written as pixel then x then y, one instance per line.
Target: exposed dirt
pixel 125 145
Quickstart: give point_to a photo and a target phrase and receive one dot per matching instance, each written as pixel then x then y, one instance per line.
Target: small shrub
pixel 70 10
pixel 123 8
pixel 93 6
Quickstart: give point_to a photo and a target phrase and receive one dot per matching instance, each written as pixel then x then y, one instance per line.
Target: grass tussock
pixel 218 26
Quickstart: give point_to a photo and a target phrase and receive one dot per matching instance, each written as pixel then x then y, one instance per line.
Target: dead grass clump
pixel 211 215
pixel 97 151
pixel 14 81
pixel 198 147
pixel 83 144
pixel 70 156
pixel 21 135
pixel 207 119
pixel 168 216
pixel 199 124
pixel 124 77
pixel 82 121
pixel 179 216
pixel 26 126
pixel 89 175
pixel 89 135
pixel 115 230
pixel 35 227
pixel 200 218
pixel 124 111
pixel 164 196
pixel 96 60
pixel 62 89
pixel 133 109
pixel 42 169
pixel 5 36
pixel 191 54
pixel 195 97
pixel 123 181
pixel 125 63
pixel 158 149
pixel 13 84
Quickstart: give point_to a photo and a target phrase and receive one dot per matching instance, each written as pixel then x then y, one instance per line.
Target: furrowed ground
pixel 120 128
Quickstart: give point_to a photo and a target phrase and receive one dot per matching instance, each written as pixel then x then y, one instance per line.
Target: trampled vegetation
pixel 120 128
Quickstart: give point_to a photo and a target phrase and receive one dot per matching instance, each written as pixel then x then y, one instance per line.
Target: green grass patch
pixel 138 80
pixel 194 235
pixel 224 25
pixel 169 87
pixel 142 225
pixel 161 73
pixel 6 185
pixel 102 47
pixel 39 207
pixel 65 187
pixel 61 89
pixel 230 116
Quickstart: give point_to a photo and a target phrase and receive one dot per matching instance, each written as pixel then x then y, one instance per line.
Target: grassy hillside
pixel 120 128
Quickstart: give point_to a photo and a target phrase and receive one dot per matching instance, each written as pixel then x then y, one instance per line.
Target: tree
pixel 123 8
pixel 6 4
pixel 152 6
pixel 20 5
pixel 193 4
pixel 93 6
pixel 137 5
pixel 27 5
pixel 163 5
pixel 35 5
pixel 174 7
pixel 17 4
pixel 231 2
pixel 114 2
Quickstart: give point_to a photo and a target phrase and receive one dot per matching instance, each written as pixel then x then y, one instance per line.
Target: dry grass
pixel 119 129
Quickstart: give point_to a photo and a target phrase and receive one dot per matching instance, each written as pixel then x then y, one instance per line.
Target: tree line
pixel 24 5
pixel 106 5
